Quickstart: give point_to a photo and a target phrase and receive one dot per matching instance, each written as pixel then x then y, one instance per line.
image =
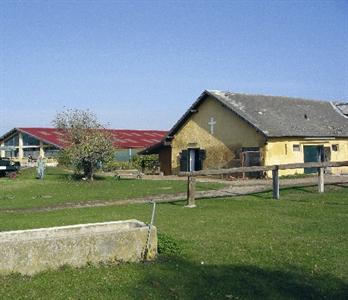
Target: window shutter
pixel 184 161
pixel 199 160
pixel 202 154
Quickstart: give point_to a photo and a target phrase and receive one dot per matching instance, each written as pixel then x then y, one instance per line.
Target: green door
pixel 311 154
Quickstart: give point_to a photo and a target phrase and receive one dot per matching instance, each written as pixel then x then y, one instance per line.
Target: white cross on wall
pixel 211 123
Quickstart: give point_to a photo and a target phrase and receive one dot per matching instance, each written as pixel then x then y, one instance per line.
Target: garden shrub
pixel 143 163
pixel 146 163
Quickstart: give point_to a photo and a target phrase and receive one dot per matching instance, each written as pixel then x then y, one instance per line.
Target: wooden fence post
pixel 275 180
pixel 191 191
pixel 321 180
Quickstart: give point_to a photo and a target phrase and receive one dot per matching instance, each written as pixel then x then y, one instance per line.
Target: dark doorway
pixel 251 156
pixel 313 154
pixel 191 160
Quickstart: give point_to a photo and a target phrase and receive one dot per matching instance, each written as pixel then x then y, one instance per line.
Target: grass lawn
pixel 59 187
pixel 249 247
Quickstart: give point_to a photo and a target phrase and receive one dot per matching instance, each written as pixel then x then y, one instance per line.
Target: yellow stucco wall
pixel 280 151
pixel 230 134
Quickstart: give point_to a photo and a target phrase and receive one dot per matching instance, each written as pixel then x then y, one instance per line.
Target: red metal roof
pixel 123 138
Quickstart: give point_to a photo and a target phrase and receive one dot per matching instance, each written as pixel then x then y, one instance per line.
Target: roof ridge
pixel 276 96
pixel 54 128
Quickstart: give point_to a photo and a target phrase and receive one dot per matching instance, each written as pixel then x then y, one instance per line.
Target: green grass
pixel 297 176
pixel 249 247
pixel 59 187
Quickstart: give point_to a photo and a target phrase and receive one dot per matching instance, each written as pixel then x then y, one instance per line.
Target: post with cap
pixel 191 191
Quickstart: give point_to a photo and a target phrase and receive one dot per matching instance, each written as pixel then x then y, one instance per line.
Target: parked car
pixel 8 167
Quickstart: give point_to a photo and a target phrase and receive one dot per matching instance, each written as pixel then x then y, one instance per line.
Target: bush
pixel 146 163
pixel 143 163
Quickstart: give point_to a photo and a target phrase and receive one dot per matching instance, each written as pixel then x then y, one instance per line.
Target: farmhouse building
pixel 21 143
pixel 224 130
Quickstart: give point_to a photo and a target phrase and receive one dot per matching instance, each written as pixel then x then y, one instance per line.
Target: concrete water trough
pixel 32 251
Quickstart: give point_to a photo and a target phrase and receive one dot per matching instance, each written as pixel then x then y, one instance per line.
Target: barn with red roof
pixel 23 142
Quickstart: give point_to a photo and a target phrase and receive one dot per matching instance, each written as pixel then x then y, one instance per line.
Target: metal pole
pixel 149 232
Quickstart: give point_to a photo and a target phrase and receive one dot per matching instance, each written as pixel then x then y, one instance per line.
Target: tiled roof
pixel 284 116
pixel 123 139
pixel 136 138
pixel 277 116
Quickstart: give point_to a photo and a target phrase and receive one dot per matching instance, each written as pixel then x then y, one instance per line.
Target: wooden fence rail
pixel 191 183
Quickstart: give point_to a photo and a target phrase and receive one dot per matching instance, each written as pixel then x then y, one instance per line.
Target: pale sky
pixel 140 64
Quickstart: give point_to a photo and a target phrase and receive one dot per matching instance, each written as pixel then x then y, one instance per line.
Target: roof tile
pixel 122 138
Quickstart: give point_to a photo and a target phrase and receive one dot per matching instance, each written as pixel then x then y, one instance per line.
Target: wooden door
pixel 312 154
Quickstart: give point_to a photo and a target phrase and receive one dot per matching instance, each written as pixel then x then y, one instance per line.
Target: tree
pixel 88 143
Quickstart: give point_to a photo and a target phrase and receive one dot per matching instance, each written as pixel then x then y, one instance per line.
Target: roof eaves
pixel 153 149
pixel 39 138
pixel 308 136
pixel 186 115
pixel 8 134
